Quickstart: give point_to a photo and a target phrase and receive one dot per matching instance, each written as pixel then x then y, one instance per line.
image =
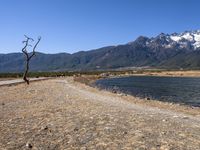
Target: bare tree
pixel 28 55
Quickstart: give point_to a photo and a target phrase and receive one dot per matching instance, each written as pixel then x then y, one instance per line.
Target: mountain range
pixel 171 51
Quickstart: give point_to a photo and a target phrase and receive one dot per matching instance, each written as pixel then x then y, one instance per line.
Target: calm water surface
pixel 184 90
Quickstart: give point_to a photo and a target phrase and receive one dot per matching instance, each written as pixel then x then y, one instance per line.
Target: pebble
pixel 29 145
pixel 185 117
pixel 76 129
pixel 125 132
pixel 45 128
pixel 83 148
pixel 175 116
pixel 114 91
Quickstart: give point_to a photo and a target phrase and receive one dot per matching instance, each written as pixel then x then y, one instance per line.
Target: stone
pixel 114 91
pixel 76 129
pixel 45 128
pixel 185 117
pixel 29 145
pixel 125 132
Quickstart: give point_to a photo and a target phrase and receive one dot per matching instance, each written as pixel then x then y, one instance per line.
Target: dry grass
pixel 63 114
pixel 192 73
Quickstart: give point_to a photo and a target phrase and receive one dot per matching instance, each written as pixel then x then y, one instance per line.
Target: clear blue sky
pixel 74 25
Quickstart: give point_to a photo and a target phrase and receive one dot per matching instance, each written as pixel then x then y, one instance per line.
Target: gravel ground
pixel 17 81
pixel 63 114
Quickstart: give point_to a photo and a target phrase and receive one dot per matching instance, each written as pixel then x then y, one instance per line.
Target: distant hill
pixel 163 51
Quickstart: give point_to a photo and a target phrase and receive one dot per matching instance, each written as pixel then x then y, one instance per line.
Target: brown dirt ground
pixel 63 114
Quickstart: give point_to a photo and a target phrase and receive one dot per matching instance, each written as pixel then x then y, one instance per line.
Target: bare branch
pixel 28 38
pixel 28 58
pixel 39 38
pixel 24 48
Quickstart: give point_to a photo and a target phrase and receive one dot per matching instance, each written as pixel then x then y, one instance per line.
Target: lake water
pixel 183 90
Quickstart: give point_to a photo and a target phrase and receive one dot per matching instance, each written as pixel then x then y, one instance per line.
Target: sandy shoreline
pixel 63 114
pixel 195 74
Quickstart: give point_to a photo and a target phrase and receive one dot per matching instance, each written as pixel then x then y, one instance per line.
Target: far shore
pixel 186 73
pixel 192 73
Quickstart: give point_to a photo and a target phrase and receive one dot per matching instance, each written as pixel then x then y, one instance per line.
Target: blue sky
pixel 74 25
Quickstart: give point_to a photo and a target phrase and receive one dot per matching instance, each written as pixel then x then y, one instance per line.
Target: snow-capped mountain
pixel 163 51
pixel 187 39
pixel 192 37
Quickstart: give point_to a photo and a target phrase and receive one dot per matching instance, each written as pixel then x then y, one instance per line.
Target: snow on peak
pixel 191 36
pixel 188 37
pixel 175 38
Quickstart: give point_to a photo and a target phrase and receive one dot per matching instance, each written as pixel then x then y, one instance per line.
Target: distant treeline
pixel 44 74
pixel 56 74
pixel 60 74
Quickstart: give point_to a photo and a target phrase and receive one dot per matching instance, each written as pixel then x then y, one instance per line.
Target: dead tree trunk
pixel 28 55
